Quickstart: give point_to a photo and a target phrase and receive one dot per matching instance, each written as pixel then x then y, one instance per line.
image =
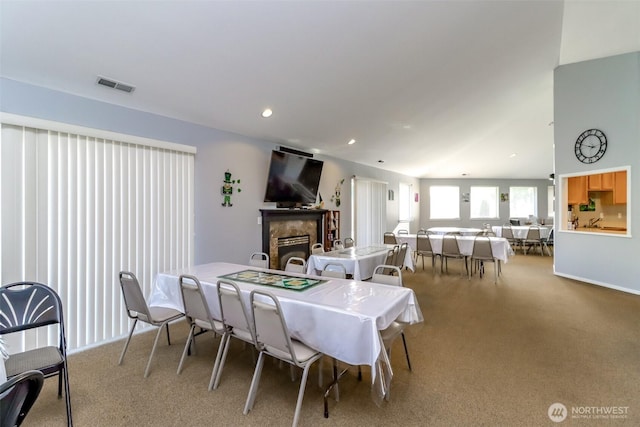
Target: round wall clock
pixel 591 146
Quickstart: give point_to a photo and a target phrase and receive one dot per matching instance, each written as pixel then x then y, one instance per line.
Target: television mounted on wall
pixel 293 179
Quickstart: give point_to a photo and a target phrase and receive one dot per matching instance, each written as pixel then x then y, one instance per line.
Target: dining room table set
pixel 341 318
pixel 500 246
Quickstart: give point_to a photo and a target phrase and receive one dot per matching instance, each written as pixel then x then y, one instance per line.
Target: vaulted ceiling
pixel 431 88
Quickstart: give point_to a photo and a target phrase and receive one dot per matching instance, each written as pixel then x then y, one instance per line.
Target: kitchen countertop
pixel 606 230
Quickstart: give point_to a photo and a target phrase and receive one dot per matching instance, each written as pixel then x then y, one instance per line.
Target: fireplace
pixel 294 246
pixel 281 225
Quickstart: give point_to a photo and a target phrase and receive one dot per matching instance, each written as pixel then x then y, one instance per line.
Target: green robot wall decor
pixel 227 189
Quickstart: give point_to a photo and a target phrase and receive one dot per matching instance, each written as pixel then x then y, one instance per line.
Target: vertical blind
pixel 369 210
pixel 76 210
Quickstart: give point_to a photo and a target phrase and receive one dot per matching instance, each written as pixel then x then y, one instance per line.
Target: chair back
pixel 337 244
pixel 317 248
pixel 18 395
pixel 389 238
pixel 259 259
pixel 450 245
pixel 194 302
pixel 402 253
pixel 271 329
pixel 482 248
pixel 423 244
pixel 349 242
pixel 29 305
pixel 391 255
pixel 488 233
pixel 134 301
pixel 334 270
pixel 387 275
pixel 233 312
pixel 296 265
pixel 533 233
pixel 507 232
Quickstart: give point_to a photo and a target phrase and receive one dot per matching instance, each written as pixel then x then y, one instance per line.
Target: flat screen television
pixel 293 179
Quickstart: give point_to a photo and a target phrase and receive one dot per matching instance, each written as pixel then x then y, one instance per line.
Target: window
pixel 444 202
pixel 523 201
pixel 484 202
pixel 404 200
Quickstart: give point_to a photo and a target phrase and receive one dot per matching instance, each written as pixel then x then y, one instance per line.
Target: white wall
pixel 602 94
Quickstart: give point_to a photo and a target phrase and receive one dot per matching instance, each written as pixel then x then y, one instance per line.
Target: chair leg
pixel 406 351
pixel 222 360
pixel 126 345
pixel 67 395
pixel 303 384
pixel 254 384
pixel 168 337
pixel 216 366
pixel 153 349
pixel 186 347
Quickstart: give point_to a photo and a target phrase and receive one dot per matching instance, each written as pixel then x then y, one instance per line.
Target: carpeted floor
pixel 487 354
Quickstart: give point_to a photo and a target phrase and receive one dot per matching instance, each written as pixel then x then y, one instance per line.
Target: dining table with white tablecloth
pixel 500 246
pixel 358 261
pixel 338 317
pixel 520 231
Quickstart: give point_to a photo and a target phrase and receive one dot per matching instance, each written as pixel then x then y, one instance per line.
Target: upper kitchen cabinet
pixel 577 190
pixel 620 188
pixel 601 181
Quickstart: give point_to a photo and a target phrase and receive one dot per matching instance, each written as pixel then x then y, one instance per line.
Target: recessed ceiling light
pixel 351 141
pixel 513 155
pixel 380 161
pixel 465 174
pixel 267 113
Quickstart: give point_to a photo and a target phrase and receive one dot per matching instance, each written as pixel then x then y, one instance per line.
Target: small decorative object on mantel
pixel 336 195
pixel 227 188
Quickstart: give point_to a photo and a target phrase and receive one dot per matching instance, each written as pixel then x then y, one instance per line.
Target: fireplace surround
pixel 289 224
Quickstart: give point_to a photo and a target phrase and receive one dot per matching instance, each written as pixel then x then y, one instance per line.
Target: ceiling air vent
pixel 115 85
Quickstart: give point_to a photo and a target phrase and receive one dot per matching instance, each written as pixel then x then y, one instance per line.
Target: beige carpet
pixel 488 354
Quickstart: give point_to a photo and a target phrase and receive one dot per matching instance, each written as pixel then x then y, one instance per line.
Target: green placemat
pixel 283 281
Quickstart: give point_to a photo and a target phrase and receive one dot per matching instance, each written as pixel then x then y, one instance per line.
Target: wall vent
pixel 115 84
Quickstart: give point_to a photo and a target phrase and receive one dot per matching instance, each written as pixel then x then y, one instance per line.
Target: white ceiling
pixel 433 88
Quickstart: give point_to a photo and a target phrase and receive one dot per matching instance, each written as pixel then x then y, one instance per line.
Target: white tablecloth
pixel 500 246
pixel 520 231
pixel 465 231
pixel 357 261
pixel 341 318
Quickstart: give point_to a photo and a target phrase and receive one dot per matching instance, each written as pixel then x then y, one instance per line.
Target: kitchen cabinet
pixel 595 182
pixel 577 190
pixel 601 181
pixel 608 180
pixel 620 188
